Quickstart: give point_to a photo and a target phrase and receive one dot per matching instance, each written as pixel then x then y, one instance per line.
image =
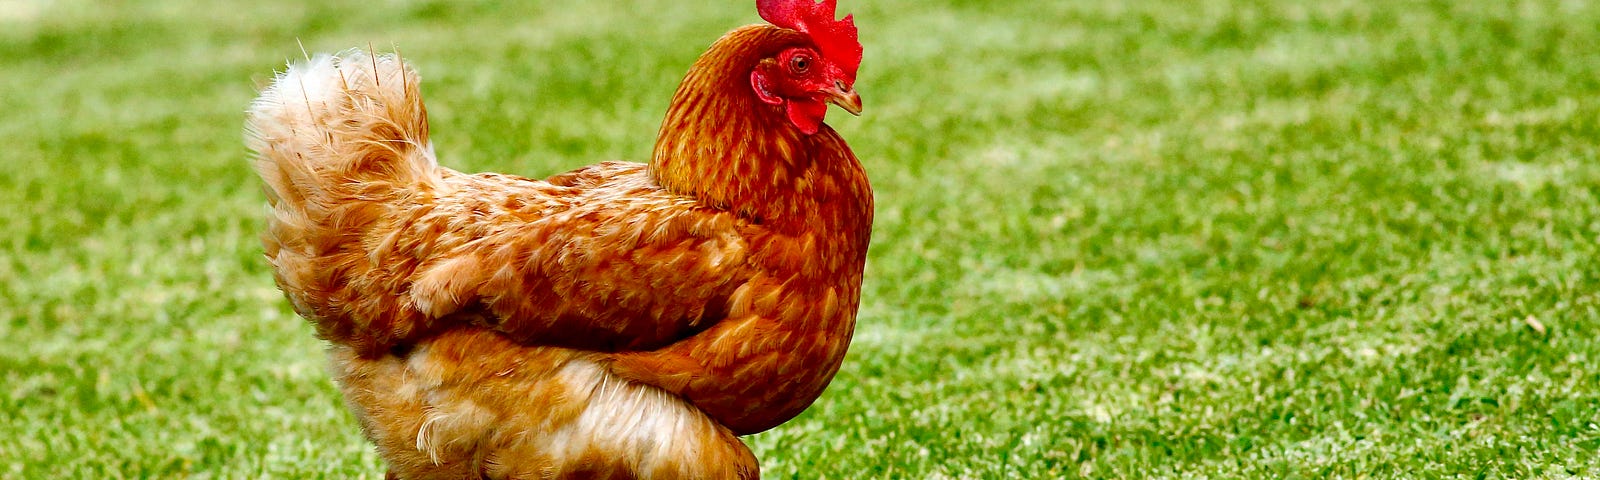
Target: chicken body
pixel 619 321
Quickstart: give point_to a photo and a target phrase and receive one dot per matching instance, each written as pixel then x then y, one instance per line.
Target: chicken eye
pixel 799 64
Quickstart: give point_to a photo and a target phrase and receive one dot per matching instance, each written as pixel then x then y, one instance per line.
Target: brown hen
pixel 621 320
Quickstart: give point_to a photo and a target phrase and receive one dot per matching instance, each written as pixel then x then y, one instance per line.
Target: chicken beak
pixel 846 98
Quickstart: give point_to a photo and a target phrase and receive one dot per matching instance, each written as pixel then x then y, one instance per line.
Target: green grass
pixel 1114 239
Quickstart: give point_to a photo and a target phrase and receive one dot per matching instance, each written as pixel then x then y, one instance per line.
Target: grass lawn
pixel 1182 238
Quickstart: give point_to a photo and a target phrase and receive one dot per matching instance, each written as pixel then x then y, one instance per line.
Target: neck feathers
pixel 722 145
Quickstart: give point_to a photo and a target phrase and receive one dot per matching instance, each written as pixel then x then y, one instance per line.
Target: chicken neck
pixel 720 144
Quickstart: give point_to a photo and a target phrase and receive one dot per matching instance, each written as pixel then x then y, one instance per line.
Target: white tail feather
pixel 337 120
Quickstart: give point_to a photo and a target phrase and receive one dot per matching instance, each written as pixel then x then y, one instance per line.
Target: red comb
pixel 836 38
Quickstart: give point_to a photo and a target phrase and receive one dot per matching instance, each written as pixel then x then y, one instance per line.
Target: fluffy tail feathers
pixel 335 124
pixel 341 142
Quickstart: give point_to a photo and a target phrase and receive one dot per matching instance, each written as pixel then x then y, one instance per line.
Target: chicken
pixel 621 320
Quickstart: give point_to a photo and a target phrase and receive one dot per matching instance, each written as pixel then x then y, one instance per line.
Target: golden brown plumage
pixel 621 319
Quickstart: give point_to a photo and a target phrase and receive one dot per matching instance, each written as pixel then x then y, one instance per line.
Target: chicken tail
pixel 338 128
pixel 342 144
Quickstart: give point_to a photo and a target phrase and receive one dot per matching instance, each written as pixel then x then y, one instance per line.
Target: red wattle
pixel 807 116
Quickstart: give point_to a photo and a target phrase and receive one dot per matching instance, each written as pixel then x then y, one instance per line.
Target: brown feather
pixel 718 284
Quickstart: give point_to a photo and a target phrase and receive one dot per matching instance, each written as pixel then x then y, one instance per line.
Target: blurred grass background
pixel 1235 239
